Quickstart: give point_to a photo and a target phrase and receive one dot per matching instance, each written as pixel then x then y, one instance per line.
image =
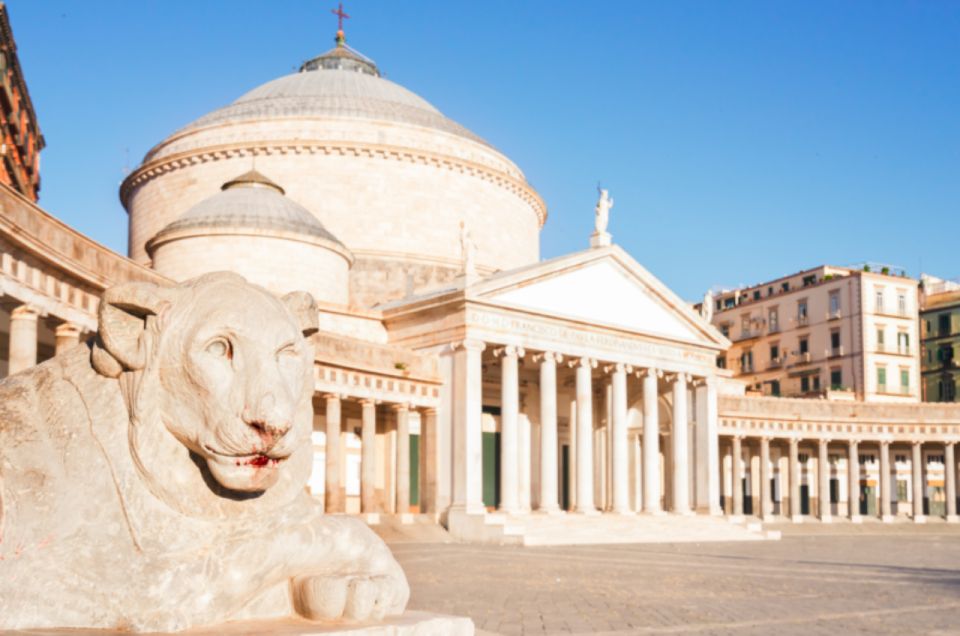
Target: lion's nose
pixel 264 419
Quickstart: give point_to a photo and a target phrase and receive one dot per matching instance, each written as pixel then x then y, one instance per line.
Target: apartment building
pixel 833 332
pixel 940 338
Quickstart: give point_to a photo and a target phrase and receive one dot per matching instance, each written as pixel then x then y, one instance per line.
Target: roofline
pixel 7 32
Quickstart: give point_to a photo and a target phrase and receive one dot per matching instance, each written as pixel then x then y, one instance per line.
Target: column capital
pixel 469 344
pixel 428 410
pixel 824 440
pixel 794 441
pixel 333 396
pixel 884 443
pixel 678 377
pixel 400 407
pixel 368 402
pixel 582 362
pixel 65 329
pixel 547 357
pixel 701 380
pixel 916 442
pixel 649 371
pixel 25 312
pixel 510 351
pixel 618 367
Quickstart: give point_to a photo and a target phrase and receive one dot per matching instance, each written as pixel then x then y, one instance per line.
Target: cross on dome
pixel 341 38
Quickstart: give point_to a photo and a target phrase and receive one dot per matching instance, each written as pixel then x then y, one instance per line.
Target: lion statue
pixel 154 478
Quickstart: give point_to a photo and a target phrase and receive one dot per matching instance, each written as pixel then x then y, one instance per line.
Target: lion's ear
pixel 123 314
pixel 304 309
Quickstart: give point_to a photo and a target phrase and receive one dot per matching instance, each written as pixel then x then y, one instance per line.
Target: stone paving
pixel 878 579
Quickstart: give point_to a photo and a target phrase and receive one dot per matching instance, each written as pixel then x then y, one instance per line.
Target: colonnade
pixel 740 447
pixel 371 410
pixel 24 337
pixel 467 370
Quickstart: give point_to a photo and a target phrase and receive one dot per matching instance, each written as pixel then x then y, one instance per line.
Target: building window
pixel 834 303
pixel 774 352
pixel 746 361
pixel 900 459
pixel 725 329
pixel 804 345
pixel 802 311
pixel 880 339
pixel 934 459
pixel 809 280
pixel 881 380
pixel 905 380
pixel 773 320
pixel 943 324
pixel 879 301
pixel 756 294
pixel 721 362
pixel 816 383
pixel 903 342
pixel 785 286
pixel 803 457
pixel 805 384
pixel 836 378
pixel 835 340
pixel 775 387
pixel 902 304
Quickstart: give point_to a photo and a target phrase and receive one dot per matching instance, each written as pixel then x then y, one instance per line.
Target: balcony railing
pixel 803 320
pixel 775 363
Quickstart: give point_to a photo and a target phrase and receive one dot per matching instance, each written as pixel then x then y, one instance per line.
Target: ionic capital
pixel 469 345
pixel 509 351
pixel 618 367
pixel 25 312
pixel 589 363
pixel 400 407
pixel 333 397
pixel 547 357
pixel 677 378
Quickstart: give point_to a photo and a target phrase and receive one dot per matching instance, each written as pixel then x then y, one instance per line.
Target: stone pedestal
pixel 600 239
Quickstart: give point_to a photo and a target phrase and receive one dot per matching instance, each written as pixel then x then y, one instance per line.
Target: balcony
pixel 835 352
pixel 775 363
pixel 803 321
pixel 835 315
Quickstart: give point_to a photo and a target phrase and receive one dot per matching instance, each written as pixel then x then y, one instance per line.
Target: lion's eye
pixel 287 350
pixel 219 348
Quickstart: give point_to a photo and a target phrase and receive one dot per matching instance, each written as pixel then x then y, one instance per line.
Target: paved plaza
pixel 870 579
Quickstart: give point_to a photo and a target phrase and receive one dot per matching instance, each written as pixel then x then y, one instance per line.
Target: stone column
pixel 885 498
pixel 368 455
pixel 549 493
pixel 707 444
pixel 853 485
pixel 766 503
pixel 618 452
pixel 823 472
pixel 795 511
pixel 681 451
pixel 66 335
pixel 467 430
pixel 737 488
pixel 428 459
pixel 23 338
pixel 509 428
pixel 333 456
pixel 585 368
pixel 950 468
pixel 916 465
pixel 651 443
pixel 402 461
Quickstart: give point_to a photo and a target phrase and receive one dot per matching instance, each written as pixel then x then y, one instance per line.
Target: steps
pixel 575 529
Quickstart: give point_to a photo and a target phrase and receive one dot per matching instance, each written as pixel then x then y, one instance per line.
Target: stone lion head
pixel 217 377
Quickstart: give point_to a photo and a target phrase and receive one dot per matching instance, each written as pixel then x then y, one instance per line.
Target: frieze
pixel 592 339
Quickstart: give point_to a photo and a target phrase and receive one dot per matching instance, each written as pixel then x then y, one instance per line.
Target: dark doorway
pixel 491 470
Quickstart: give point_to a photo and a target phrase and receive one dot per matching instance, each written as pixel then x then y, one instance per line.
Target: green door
pixel 868 500
pixel 565 477
pixel 414 471
pixel 804 499
pixel 491 470
pixel 937 499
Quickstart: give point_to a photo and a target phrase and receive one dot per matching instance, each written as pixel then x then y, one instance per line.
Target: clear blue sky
pixel 740 140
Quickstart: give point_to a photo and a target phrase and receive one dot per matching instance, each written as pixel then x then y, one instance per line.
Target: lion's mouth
pixel 256 460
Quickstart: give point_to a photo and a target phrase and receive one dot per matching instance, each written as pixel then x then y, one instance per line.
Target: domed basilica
pixel 457 375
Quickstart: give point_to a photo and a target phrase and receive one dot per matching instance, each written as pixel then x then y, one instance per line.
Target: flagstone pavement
pixel 818 580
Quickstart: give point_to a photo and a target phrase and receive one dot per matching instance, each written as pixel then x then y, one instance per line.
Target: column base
pixel 623 513
pixel 371 518
pixel 735 518
pixel 826 519
pixel 953 519
pixel 683 513
pixel 856 519
pixel 588 512
pixel 796 519
pixel 551 512
pixel 887 518
pixel 768 518
pixel 654 513
pixel 919 519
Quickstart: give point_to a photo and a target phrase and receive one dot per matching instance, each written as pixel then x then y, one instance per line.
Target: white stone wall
pixel 281 265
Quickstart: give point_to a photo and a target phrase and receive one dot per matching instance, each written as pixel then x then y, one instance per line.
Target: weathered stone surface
pixel 154 479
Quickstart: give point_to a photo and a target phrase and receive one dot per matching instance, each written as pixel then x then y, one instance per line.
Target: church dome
pixel 377 165
pixel 251 228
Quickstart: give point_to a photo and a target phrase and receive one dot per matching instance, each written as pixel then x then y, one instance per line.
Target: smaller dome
pixel 250 201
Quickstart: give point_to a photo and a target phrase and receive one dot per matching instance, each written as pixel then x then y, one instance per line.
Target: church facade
pixel 458 375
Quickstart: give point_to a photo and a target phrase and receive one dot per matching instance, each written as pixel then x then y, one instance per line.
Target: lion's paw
pixel 354 597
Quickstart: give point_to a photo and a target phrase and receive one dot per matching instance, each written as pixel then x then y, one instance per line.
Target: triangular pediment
pixel 603 287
